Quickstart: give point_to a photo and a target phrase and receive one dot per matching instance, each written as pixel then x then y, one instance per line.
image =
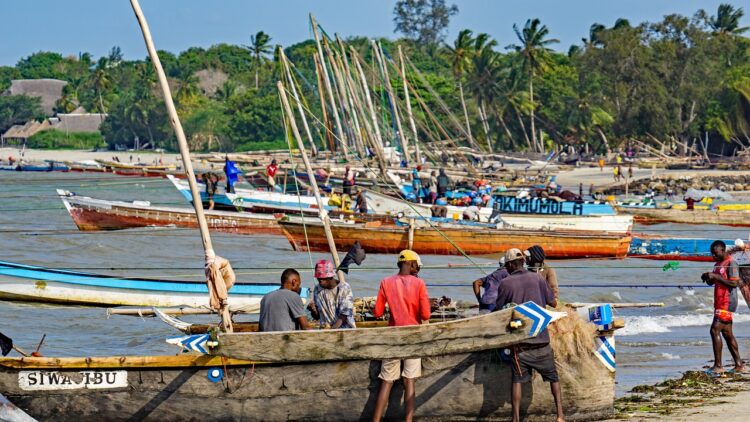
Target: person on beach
pixel 535 263
pixel 601 164
pixel 409 304
pixel 432 187
pixel 348 180
pixel 489 283
pixel 282 309
pixel 443 181
pixel 361 202
pixel 616 171
pixel 536 353
pixel 271 170
pixel 210 181
pixel 725 279
pixel 416 183
pixel 333 300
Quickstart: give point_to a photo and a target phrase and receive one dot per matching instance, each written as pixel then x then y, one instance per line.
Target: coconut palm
pixel 482 84
pixel 534 52
pixel 260 48
pixel 101 82
pixel 460 56
pixel 727 20
pixel 595 39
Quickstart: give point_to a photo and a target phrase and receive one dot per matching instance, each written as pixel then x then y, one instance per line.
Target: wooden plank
pixel 459 336
pixel 123 362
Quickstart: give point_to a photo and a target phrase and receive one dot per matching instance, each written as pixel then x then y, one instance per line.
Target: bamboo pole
pixel 339 129
pixel 322 213
pixel 408 106
pixel 346 101
pixel 285 64
pixel 368 98
pixel 328 128
pixel 379 55
pixel 184 151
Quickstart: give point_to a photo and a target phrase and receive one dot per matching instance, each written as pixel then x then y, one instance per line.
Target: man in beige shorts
pixel 409 304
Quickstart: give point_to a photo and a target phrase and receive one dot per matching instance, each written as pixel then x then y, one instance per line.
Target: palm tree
pixel 595 39
pixel 534 53
pixel 727 20
pixel 101 82
pixel 460 59
pixel 260 48
pixel 482 83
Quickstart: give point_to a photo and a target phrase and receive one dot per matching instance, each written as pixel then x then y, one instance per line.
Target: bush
pixel 74 140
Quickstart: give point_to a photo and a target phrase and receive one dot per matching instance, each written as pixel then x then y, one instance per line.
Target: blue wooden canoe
pixel 673 249
pixel 39 284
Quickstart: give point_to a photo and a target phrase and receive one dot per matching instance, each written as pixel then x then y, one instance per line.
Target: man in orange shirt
pixel 409 304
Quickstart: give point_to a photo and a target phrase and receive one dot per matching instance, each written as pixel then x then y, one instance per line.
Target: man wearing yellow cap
pixel 409 304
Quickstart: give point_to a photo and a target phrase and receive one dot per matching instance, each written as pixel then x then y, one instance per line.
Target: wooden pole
pixel 368 99
pixel 331 100
pixel 321 208
pixel 408 107
pixel 379 55
pixel 285 64
pixel 328 127
pixel 182 142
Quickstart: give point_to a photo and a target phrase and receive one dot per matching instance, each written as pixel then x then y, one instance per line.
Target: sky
pixel 73 26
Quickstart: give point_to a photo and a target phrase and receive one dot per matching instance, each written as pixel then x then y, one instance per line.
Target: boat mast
pixel 408 106
pixel 322 213
pixel 287 68
pixel 378 49
pixel 174 119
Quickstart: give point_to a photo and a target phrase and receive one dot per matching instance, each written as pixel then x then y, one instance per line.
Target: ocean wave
pixel 664 323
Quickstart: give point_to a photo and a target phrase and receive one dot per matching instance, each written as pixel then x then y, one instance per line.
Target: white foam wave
pixel 664 323
pixel 669 356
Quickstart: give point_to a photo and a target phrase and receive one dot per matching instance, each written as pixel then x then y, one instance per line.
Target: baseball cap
pixel 324 269
pixel 409 255
pixel 513 254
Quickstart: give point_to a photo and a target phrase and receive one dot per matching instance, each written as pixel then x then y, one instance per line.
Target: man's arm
pixel 313 310
pixel 424 303
pixel 552 282
pixel 477 289
pixel 732 279
pixel 345 306
pixel 303 323
pixel 379 303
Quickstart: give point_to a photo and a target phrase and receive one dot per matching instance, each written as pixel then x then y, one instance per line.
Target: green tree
pixel 460 57
pixel 18 109
pixel 727 20
pixel 254 118
pixel 40 65
pixel 424 21
pixel 260 48
pixel 534 53
pixel 101 82
pixel 7 74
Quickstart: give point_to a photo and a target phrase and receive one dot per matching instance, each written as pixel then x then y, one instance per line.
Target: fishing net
pixel 572 340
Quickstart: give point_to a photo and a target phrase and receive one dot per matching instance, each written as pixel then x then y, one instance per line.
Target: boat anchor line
pixel 605 351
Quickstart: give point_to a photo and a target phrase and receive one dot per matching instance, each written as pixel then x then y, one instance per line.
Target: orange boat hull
pixel 393 239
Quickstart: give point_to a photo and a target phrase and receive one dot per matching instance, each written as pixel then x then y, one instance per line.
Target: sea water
pixel 36 229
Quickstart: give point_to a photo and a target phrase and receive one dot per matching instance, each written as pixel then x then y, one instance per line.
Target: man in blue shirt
pixel 489 283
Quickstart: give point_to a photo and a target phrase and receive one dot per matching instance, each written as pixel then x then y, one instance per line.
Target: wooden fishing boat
pixel 115 165
pixel 565 217
pixel 98 214
pixel 382 238
pixel 48 166
pixel 38 284
pixel 672 248
pixel 737 218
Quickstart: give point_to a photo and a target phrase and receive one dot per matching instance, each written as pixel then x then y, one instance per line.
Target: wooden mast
pixel 174 119
pixel 288 72
pixel 408 106
pixel 379 55
pixel 339 129
pixel 322 213
pixel 327 126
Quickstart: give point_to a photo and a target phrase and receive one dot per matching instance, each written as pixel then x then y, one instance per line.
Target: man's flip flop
pixel 715 374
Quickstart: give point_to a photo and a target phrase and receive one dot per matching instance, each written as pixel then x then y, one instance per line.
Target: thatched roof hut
pixel 78 122
pixel 49 90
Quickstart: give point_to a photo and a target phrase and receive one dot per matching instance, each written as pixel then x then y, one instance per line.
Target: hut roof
pixel 79 122
pixel 26 130
pixel 49 90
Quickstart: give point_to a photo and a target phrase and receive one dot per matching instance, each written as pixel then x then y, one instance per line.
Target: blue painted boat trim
pixel 672 246
pixel 113 282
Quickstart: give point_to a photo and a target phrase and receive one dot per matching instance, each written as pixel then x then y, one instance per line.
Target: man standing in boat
pixel 333 300
pixel 725 279
pixel 489 283
pixel 536 353
pixel 409 304
pixel 271 170
pixel 282 309
pixel 348 180
pixel 443 182
pixel 535 258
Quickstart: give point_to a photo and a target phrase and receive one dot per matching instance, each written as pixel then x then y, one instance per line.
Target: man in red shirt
pixel 409 304
pixel 271 170
pixel 725 279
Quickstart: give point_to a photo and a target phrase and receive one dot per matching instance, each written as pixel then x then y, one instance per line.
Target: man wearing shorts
pixel 535 353
pixel 725 279
pixel 409 304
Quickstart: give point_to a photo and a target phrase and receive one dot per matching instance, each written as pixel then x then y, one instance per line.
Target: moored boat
pixel 38 284
pixel 672 248
pixel 98 214
pixel 737 218
pixel 376 237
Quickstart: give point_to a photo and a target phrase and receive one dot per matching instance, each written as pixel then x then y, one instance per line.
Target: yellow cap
pixel 409 255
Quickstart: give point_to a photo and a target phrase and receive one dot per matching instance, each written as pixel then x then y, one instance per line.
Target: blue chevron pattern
pixel 605 351
pixel 194 343
pixel 539 316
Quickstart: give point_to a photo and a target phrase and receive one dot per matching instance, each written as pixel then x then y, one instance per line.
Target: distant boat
pixel 38 167
pixel 99 214
pixel 38 284
pixel 376 237
pixel 672 248
pixel 734 216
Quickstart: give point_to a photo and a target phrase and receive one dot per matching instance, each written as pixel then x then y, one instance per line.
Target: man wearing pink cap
pixel 333 301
